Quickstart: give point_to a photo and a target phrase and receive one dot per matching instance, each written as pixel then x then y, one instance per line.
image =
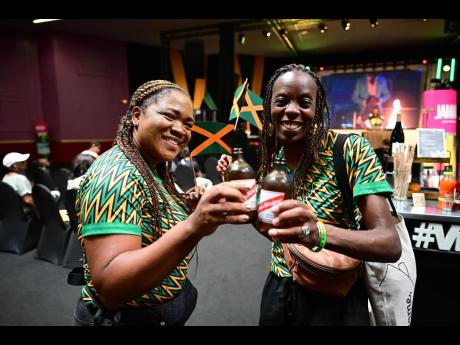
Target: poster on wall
pixel 41 132
pixel 356 98
pixel 440 110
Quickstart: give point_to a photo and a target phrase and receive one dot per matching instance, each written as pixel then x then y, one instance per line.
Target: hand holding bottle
pixel 290 216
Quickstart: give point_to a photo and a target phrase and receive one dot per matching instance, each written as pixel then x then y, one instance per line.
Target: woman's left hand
pixel 193 195
pixel 290 217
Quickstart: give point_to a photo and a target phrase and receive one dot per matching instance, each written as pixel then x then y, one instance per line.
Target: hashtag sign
pixel 423 234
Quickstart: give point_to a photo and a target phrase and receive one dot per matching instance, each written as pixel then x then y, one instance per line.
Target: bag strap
pixel 342 176
pixel 341 173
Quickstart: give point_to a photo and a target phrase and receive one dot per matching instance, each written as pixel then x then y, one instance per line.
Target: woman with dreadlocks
pixel 136 230
pixel 296 125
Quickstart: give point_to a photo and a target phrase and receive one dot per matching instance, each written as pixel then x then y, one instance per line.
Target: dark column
pixel 165 65
pixel 226 78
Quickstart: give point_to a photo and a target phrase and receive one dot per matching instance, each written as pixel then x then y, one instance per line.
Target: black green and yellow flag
pixel 211 137
pixel 246 104
pixel 238 101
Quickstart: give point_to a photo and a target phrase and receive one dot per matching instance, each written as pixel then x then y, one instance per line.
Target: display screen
pixel 353 97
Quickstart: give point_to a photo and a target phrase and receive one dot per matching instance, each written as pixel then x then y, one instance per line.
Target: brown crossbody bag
pixel 326 271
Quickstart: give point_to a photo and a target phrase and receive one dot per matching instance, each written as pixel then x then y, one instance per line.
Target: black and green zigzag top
pixel 114 199
pixel 323 195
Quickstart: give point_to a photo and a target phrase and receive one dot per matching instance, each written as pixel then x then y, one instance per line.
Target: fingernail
pixel 244 218
pixel 275 209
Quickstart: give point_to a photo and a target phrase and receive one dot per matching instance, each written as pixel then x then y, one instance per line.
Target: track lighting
pixel 242 38
pixel 374 22
pixel 322 27
pixel 266 33
pixel 346 24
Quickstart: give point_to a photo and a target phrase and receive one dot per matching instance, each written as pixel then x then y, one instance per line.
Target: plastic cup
pixel 447 201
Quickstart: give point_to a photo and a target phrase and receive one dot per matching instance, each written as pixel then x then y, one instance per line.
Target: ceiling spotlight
pixel 322 27
pixel 374 22
pixel 266 33
pixel 283 32
pixel 446 68
pixel 346 24
pixel 242 38
pixel 39 21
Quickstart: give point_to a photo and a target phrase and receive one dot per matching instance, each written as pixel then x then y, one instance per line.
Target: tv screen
pixel 353 97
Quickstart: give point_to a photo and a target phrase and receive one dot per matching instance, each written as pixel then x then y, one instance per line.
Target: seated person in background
pixel 43 163
pixel 17 165
pixel 81 163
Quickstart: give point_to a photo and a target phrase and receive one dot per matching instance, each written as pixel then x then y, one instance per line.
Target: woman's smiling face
pixel 293 106
pixel 164 128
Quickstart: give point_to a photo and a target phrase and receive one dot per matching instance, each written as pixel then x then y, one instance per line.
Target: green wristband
pixel 322 237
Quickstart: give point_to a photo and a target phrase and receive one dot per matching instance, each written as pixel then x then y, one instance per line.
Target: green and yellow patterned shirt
pixel 114 199
pixel 322 193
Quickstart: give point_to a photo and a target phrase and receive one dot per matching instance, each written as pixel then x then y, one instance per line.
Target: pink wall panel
pixel 92 81
pixel 20 92
pixel 74 83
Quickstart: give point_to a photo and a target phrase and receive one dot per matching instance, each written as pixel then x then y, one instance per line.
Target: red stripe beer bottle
pixel 275 187
pixel 240 170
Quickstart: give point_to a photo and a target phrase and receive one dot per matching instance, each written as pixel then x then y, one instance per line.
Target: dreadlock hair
pixel 312 143
pixel 143 97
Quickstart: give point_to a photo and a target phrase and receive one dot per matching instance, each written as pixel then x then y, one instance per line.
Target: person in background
pixel 135 228
pixel 296 116
pixel 81 163
pixel 16 163
pixel 371 91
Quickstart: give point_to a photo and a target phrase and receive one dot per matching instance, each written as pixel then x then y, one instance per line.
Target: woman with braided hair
pixel 136 230
pixel 296 125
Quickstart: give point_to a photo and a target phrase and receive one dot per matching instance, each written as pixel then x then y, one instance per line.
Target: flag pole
pixel 242 95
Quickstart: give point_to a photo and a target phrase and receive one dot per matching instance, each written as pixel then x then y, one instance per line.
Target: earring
pixel 271 129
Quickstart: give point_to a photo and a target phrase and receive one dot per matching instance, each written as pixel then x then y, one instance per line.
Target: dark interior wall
pixel 143 64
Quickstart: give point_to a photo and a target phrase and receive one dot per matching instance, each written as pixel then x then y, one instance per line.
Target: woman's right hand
pixel 222 164
pixel 220 204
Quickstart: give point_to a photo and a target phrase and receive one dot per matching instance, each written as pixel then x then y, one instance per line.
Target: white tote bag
pixel 391 286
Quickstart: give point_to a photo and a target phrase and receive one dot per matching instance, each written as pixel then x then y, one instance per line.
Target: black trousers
pixel 285 303
pixel 173 313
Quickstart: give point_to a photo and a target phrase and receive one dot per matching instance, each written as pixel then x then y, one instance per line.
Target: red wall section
pixel 20 91
pixel 74 83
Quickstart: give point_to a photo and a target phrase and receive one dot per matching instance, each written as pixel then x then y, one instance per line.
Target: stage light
pixel 374 22
pixel 346 24
pixel 322 27
pixel 321 68
pixel 424 61
pixel 446 68
pixel 242 38
pixel 266 33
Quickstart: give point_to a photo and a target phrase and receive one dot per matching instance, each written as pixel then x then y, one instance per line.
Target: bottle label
pixel 250 202
pixel 267 200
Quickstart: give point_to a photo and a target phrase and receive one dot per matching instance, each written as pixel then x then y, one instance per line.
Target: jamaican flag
pixel 246 104
pixel 211 137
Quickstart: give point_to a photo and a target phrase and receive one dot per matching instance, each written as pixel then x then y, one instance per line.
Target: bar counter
pixel 435 238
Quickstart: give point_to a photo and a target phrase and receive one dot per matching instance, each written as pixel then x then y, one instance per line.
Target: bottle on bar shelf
pixel 397 134
pixel 240 170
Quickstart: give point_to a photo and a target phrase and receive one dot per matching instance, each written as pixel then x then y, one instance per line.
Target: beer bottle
pixel 240 170
pixel 275 187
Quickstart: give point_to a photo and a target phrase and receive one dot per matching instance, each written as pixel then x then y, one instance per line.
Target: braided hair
pixel 312 142
pixel 143 97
